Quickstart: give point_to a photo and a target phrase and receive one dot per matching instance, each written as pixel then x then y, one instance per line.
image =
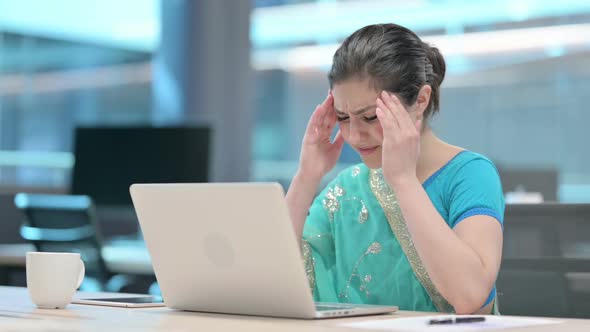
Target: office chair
pixel 68 223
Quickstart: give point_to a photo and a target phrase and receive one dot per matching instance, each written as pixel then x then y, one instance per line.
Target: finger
pixel 398 110
pixel 389 120
pixel 316 133
pixel 316 117
pixel 330 119
pixel 327 107
pixel 394 108
pixel 326 128
pixel 385 120
pixel 328 102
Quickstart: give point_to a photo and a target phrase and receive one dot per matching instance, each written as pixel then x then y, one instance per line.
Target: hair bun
pixel 438 63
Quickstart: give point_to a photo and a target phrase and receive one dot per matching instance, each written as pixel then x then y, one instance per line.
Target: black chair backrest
pixel 63 223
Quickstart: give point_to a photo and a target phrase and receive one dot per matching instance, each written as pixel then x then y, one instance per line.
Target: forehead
pixel 353 94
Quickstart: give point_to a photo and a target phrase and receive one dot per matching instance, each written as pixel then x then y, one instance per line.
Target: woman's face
pixel 354 104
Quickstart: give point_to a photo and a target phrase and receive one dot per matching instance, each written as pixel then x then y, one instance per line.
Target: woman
pixel 419 223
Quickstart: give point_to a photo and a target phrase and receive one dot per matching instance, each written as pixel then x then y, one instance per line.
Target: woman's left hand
pixel 401 140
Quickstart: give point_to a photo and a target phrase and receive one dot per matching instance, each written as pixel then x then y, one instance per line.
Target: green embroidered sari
pixel 357 248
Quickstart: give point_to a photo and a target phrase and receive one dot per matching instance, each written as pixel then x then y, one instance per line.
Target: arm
pixel 317 246
pixel 318 156
pixel 462 262
pixel 299 198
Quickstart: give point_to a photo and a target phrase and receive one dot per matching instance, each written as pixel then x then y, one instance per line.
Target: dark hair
pixel 394 59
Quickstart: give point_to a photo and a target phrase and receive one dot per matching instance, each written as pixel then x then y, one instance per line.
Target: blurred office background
pixel 516 87
pixel 515 90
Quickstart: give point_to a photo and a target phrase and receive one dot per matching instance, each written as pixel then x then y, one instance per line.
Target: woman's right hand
pixel 318 154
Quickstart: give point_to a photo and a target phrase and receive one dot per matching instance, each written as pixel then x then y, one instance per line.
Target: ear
pixel 423 99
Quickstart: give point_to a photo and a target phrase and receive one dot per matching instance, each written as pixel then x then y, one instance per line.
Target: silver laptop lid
pixel 224 247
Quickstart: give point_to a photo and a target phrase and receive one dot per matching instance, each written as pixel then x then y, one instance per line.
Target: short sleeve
pixel 476 190
pixel 318 245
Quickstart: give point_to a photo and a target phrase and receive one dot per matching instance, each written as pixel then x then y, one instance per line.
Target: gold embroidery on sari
pixel 330 203
pixel 390 205
pixel 374 249
pixel 364 286
pixel 308 263
pixel 308 259
pixel 355 171
pixel 363 213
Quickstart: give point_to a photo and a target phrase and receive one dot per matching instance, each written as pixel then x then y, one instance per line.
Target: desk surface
pixel 19 314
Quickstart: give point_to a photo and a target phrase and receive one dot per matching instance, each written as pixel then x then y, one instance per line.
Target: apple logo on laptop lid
pixel 219 250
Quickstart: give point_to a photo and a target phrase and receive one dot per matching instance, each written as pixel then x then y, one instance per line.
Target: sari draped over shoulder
pixel 357 248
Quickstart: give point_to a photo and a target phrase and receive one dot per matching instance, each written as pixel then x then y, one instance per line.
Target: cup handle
pixel 81 274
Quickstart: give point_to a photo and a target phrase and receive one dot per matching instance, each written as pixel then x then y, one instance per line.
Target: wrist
pixel 403 183
pixel 307 180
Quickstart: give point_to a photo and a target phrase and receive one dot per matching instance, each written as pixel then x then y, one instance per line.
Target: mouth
pixel 367 151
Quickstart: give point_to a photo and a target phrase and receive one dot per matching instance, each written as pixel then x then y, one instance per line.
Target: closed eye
pixel 370 118
pixel 342 118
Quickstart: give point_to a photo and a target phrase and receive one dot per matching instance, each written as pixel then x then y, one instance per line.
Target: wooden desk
pixel 121 256
pixel 19 314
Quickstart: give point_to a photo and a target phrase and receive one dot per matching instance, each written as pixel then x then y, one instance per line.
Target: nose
pixel 355 134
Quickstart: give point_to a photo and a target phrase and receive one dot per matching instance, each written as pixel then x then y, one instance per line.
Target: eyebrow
pixel 357 112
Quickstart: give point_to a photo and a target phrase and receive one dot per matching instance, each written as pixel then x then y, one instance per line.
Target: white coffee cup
pixel 53 277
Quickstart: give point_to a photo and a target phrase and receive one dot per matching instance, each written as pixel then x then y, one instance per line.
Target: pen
pixel 457 320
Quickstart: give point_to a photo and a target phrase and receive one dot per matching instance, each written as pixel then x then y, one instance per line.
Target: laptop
pixel 229 248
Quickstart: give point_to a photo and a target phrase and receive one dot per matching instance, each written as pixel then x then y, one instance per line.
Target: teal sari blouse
pixel 357 248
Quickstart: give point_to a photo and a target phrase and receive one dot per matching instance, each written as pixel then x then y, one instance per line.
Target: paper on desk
pixel 411 324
